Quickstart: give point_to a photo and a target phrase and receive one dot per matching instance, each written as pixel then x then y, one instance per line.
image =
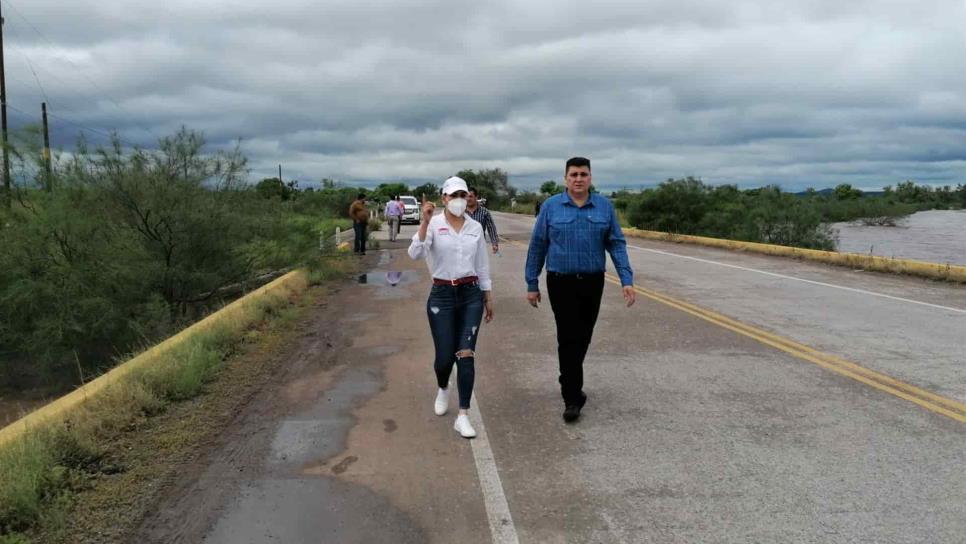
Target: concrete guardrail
pixel 293 282
pixel 937 271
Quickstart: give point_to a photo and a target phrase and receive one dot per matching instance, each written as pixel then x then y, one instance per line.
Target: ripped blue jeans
pixel 455 314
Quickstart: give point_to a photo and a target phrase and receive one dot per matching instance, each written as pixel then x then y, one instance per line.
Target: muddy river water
pixel 935 236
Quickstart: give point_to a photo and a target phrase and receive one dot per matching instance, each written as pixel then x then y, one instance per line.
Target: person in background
pixel 482 216
pixel 360 220
pixel 572 233
pixel 461 295
pixel 402 206
pixel 393 213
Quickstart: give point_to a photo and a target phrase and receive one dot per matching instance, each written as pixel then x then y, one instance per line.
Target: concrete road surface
pixel 695 430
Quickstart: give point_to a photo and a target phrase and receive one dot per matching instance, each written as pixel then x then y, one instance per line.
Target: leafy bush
pixel 688 206
pixel 130 246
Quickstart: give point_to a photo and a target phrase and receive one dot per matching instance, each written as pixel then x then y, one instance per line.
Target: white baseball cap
pixel 453 185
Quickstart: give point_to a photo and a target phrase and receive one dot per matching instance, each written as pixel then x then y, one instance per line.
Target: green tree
pixel 494 183
pixel 675 206
pixel 388 190
pixel 429 190
pixel 129 245
pixel 908 191
pixel 551 188
pixel 845 191
pixel 275 188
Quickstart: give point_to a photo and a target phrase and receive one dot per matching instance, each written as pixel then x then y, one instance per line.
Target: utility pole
pixel 48 175
pixel 280 173
pixel 3 119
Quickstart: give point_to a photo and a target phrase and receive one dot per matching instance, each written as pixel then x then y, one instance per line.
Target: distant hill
pixel 827 191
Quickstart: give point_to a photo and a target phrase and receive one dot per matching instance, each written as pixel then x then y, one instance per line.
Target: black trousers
pixel 360 237
pixel 575 300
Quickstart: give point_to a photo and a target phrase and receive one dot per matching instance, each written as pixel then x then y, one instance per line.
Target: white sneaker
pixel 463 426
pixel 442 402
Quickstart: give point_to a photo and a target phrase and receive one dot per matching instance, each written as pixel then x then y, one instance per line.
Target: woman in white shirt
pixel 460 298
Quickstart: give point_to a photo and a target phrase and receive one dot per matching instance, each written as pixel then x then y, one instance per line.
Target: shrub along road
pixel 695 431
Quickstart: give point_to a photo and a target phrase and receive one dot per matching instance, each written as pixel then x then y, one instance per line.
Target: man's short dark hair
pixel 578 162
pixel 474 191
pixel 361 196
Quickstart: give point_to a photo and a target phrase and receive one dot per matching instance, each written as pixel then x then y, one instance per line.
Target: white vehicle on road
pixel 411 213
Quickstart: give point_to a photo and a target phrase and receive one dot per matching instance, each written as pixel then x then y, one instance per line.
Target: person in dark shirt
pixel 482 216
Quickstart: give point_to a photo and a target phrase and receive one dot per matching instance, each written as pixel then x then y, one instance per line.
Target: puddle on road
pixel 389 278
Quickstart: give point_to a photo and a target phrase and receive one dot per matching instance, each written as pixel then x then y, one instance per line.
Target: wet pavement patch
pixel 357 318
pixel 320 432
pixel 274 511
pixel 382 351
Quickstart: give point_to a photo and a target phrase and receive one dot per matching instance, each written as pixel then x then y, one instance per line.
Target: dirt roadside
pixel 342 444
pixel 152 458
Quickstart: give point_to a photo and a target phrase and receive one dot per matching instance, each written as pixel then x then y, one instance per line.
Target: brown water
pixel 934 236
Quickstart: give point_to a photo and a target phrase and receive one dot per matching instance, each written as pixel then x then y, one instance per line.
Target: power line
pixel 74 123
pixel 21 112
pixel 79 70
pixel 89 129
pixel 66 85
pixel 34 72
pixel 18 80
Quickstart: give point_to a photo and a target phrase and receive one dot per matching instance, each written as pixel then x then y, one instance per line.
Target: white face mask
pixel 456 206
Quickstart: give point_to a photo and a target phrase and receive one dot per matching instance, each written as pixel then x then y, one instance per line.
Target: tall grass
pixel 42 467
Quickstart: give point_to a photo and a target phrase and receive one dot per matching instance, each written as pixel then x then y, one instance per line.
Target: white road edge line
pixel 783 276
pixel 502 530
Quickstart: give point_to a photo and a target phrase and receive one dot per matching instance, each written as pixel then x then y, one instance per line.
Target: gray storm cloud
pixel 800 94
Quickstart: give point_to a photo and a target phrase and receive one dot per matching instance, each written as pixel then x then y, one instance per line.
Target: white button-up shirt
pixel 453 254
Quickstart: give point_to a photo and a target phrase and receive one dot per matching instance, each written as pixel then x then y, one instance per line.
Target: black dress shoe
pixel 571 413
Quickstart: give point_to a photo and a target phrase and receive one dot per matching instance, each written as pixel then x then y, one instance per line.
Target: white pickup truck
pixel 411 213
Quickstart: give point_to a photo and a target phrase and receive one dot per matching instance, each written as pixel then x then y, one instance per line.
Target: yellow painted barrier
pixel 293 282
pixel 937 271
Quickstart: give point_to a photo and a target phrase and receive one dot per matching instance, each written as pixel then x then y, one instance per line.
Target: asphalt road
pixel 695 431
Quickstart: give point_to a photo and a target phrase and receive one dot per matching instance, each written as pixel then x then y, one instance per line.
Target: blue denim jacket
pixel 572 240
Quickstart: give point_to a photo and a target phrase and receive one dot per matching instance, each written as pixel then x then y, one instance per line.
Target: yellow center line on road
pixel 926 399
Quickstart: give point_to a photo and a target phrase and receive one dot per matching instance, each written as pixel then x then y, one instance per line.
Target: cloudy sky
pixel 749 92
